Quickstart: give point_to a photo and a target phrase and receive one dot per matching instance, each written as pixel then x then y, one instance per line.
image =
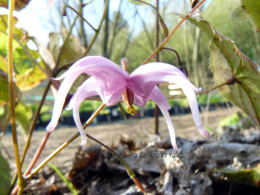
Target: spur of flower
pixel 113 84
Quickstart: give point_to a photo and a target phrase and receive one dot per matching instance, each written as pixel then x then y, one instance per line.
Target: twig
pixel 156 108
pixel 67 6
pixel 172 32
pixel 64 42
pixel 65 144
pixel 28 141
pixel 93 39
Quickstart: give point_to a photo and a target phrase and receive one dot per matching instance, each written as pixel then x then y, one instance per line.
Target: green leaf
pixel 4 96
pixel 62 176
pixel 53 45
pixel 27 74
pixel 23 116
pixel 245 176
pixel 3 64
pixel 229 65
pixel 252 8
pixel 45 54
pixel 72 49
pixel 4 117
pixel 5 176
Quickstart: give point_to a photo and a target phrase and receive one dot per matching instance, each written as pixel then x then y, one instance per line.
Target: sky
pixel 39 22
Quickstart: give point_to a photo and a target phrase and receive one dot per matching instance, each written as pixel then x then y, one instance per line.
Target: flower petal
pixel 109 75
pixel 145 77
pixel 190 94
pixel 87 89
pixel 60 99
pixel 162 103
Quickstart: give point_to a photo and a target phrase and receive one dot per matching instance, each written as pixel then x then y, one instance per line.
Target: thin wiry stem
pixel 67 6
pixel 172 32
pixel 64 42
pixel 156 109
pixel 93 39
pixel 65 144
pixel 98 29
pixel 28 141
pixel 21 180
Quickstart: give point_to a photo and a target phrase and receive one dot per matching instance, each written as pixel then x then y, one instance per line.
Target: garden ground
pixel 110 133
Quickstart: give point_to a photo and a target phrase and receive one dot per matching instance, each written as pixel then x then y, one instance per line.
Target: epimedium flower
pixel 113 84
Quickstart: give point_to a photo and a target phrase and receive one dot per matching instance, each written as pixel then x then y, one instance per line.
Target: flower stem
pixel 21 180
pixel 172 32
pixel 28 141
pixel 65 144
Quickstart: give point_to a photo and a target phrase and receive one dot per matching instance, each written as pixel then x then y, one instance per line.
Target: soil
pixel 110 133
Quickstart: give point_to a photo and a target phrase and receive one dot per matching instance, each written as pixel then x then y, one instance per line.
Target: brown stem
pixel 64 42
pixel 172 32
pixel 67 6
pixel 156 109
pixel 65 144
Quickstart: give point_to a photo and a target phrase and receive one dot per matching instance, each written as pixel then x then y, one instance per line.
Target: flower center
pixel 128 95
pixel 128 98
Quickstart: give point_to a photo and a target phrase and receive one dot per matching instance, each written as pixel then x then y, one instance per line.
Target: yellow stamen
pixel 130 110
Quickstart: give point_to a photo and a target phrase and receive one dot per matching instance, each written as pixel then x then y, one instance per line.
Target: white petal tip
pixel 204 132
pixel 50 127
pixel 175 147
pixel 83 142
pixel 198 89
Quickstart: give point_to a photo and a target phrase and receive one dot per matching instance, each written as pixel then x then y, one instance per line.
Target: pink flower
pixel 114 84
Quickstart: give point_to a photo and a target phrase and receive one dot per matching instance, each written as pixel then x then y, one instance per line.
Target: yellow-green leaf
pixel 4 96
pixel 252 8
pixel 23 116
pixel 229 64
pixel 5 176
pixel 245 176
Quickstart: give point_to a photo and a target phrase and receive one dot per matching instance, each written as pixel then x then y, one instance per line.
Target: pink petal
pixel 60 99
pixel 190 95
pixel 109 75
pixel 50 4
pixel 162 103
pixel 87 89
pixel 145 77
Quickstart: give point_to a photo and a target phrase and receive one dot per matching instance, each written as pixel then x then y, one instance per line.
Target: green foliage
pixel 4 117
pixel 5 176
pixel 23 116
pixel 4 96
pixel 230 65
pixel 27 73
pixel 252 8
pixel 72 49
pixel 245 176
pixel 232 120
pixel 89 105
pixel 221 14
